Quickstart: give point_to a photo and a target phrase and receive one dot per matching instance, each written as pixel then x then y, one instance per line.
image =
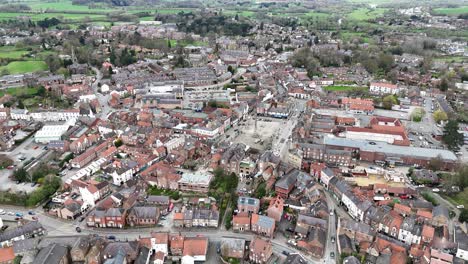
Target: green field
pixel 17 67
pixel 18 91
pixel 240 13
pixel 64 5
pixel 365 13
pixel 10 52
pixel 342 88
pixel 452 11
pixel 41 16
pixel 452 59
pixel 185 43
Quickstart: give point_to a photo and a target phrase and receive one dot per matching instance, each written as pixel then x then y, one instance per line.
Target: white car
pixel 11 213
pixel 435 190
pixel 461 206
pixel 2 212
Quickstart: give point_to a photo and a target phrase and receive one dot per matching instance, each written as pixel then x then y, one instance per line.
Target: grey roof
pixel 356 226
pixel 345 242
pixel 145 212
pixel 351 260
pixel 288 180
pixel 440 210
pixel 230 244
pixel 461 238
pixel 51 254
pixel 390 150
pixel 28 228
pixel 265 221
pixel 114 212
pixel 248 201
pixel 142 255
pixel 26 245
pixel 160 199
pixel 295 258
pixel 118 259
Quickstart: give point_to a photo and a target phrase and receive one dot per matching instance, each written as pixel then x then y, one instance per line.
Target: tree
pixel 436 163
pixel 304 58
pixel 443 85
pixel 20 104
pixel 439 116
pixel 21 175
pixel 53 63
pixel 451 137
pixel 41 91
pixel 388 101
pixel 463 216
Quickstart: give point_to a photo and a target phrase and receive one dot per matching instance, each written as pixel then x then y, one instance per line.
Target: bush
pixel 429 198
pixel 463 216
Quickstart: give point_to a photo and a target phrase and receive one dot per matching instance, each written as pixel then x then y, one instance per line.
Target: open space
pixel 17 67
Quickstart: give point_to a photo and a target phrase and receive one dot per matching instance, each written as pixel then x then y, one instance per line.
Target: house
pixel 306 222
pixel 275 209
pixel 232 248
pixel 381 88
pixel 440 216
pixel 28 230
pixel 410 231
pixel 262 225
pixel 286 183
pixel 176 244
pixel 195 182
pixel 248 205
pixel 261 250
pixel 241 222
pixel 427 234
pixel 53 254
pixel 143 216
pixel 425 177
pixel 7 255
pixel 195 249
pixel 325 175
pixel 345 245
pixel 461 238
pixel 112 217
pixel 357 231
pixel 120 250
pixel 315 242
pixel 160 245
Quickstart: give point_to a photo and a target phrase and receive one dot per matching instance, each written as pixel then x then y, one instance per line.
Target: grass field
pixel 240 13
pixel 17 67
pixel 185 43
pixel 458 199
pixel 342 88
pixel 365 13
pixel 18 91
pixel 61 16
pixel 452 11
pixel 10 52
pixel 354 35
pixel 452 59
pixel 64 5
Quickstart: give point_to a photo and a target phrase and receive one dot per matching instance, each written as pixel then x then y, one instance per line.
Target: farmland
pixel 455 11
pixel 17 67
pixel 365 13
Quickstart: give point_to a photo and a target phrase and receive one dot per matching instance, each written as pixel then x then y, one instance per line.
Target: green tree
pixel 21 175
pixel 389 101
pixel 451 137
pixel 304 58
pixel 439 116
pixel 463 216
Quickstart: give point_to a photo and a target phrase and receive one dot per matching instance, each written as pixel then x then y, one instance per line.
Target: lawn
pixel 240 13
pixel 65 5
pixel 17 67
pixel 355 35
pixel 458 199
pixel 452 59
pixel 454 11
pixel 19 91
pixel 341 88
pixel 365 13
pixel 10 52
pixel 186 43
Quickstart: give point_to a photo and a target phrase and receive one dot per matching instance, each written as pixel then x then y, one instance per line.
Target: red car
pixel 10 167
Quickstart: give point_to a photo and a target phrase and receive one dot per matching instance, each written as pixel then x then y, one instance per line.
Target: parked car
pixel 461 206
pixel 111 237
pixel 2 212
pixel 285 253
pixel 436 190
pixel 19 214
pixel 35 218
pixel 78 229
pixel 333 239
pixel 332 254
pixel 31 213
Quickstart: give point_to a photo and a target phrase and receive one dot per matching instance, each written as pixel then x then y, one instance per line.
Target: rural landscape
pixel 233 131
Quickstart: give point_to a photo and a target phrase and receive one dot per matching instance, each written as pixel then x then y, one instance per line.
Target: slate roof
pixel 28 228
pixel 51 254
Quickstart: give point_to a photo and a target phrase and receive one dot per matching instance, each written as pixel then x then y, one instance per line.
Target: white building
pixel 19 114
pixel 90 195
pixel 121 175
pixel 325 176
pixel 410 232
pixel 461 238
pixel 384 88
pixel 50 133
pixel 174 143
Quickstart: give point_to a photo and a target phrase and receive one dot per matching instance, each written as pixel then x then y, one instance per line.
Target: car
pixel 333 239
pixel 163 218
pixel 10 213
pixel 18 218
pixel 10 167
pixel 35 147
pixel 81 219
pixel 19 214
pixel 285 253
pixel 3 228
pixel 35 218
pixel 31 213
pixel 111 237
pixel 331 213
pixel 461 206
pixel 78 229
pixel 436 190
pixel 332 254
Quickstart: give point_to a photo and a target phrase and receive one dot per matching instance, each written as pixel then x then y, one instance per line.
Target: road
pixel 280 146
pixel 102 98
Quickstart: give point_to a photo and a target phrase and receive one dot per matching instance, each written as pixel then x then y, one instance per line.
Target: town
pixel 293 132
